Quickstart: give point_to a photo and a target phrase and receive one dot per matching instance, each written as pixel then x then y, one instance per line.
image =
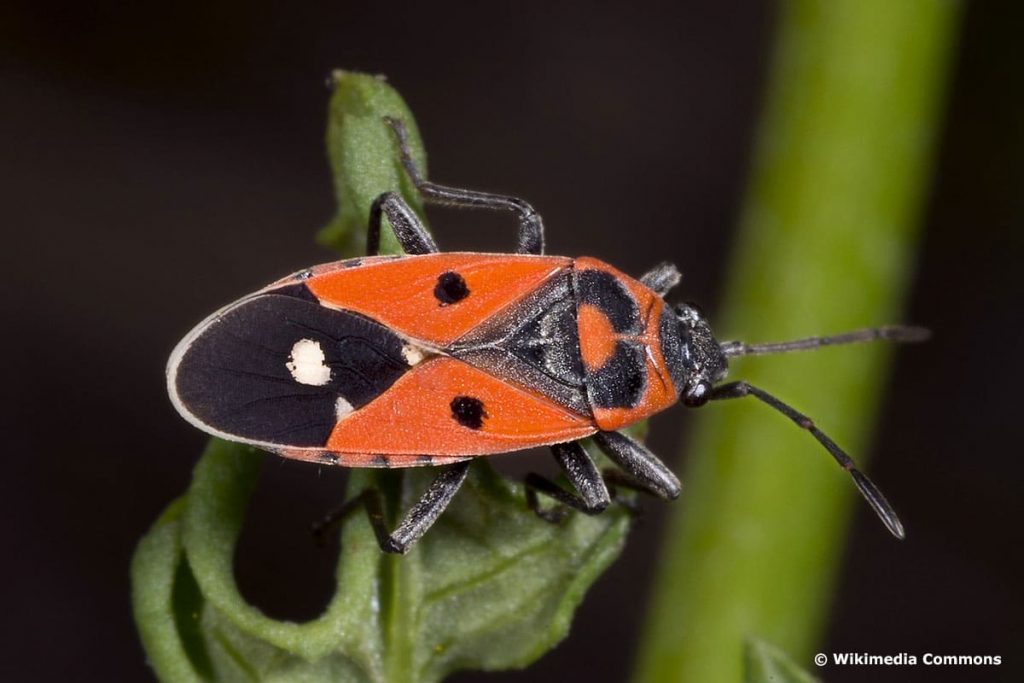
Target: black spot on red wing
pixel 234 376
pixel 451 288
pixel 468 411
pixel 607 294
pixel 425 460
pixel 620 382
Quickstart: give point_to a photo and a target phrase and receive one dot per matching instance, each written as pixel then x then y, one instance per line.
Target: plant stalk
pixel 826 244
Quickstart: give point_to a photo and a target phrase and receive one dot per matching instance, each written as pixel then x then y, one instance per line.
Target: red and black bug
pixel 437 358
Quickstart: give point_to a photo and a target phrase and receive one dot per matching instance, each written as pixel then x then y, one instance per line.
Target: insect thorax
pixel 534 343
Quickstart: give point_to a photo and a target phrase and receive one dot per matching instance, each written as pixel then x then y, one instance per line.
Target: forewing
pixel 435 298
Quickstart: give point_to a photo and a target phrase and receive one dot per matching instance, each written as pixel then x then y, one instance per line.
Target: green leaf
pixel 364 159
pixel 165 609
pixel 765 663
pixel 490 586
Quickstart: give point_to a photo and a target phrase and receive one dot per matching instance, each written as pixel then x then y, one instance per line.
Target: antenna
pixel 896 333
pixel 867 488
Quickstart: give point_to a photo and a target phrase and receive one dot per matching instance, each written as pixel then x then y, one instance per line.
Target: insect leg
pixel 616 480
pixel 867 488
pixel 593 495
pixel 639 463
pixel 531 227
pixel 425 512
pixel 420 517
pixel 661 278
pixel 406 225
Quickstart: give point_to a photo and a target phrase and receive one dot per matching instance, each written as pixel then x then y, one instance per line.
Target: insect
pixel 433 359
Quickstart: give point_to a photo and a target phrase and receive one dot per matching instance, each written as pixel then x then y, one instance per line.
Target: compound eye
pixel 697 394
pixel 689 313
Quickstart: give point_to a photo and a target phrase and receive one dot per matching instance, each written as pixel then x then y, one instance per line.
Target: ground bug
pixel 433 359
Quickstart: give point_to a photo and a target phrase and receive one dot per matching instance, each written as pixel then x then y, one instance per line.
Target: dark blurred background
pixel 161 159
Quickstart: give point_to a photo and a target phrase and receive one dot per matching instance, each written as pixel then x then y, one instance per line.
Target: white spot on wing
pixel 342 407
pixel 307 363
pixel 413 355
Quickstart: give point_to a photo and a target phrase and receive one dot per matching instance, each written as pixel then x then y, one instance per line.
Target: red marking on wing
pixel 414 416
pixel 400 292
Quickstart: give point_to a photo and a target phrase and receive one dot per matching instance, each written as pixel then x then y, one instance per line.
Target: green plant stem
pixel 825 244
